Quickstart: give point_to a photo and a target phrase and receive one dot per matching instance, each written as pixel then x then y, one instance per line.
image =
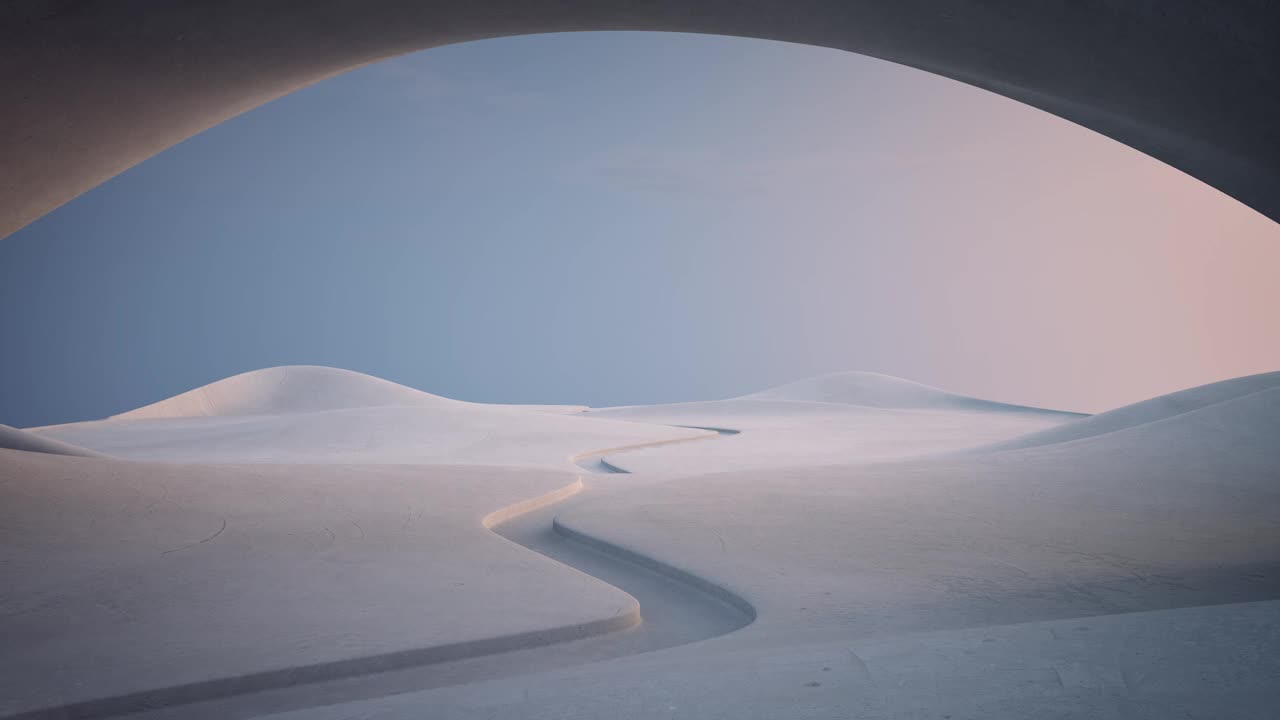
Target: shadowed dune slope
pixel 1148 411
pixel 14 439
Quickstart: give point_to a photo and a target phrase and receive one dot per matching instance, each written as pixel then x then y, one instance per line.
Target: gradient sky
pixel 618 218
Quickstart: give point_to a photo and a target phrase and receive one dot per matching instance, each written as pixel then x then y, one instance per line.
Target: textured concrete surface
pixel 91 88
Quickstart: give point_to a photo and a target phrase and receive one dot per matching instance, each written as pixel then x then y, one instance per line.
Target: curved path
pixel 676 608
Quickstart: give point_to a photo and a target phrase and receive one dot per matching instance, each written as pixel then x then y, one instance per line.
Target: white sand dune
pixel 831 419
pixel 1132 574
pixel 478 435
pixel 950 580
pixel 868 389
pixel 898 552
pixel 321 415
pixel 1184 511
pixel 14 439
pixel 1208 663
pixel 295 389
pixel 125 577
pixel 1148 411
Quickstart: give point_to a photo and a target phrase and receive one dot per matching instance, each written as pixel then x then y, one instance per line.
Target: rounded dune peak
pixel 870 389
pixel 287 390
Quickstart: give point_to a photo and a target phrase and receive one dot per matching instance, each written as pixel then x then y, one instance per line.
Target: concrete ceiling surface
pixel 89 88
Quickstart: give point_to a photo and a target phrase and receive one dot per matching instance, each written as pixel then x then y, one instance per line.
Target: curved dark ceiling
pixel 89 88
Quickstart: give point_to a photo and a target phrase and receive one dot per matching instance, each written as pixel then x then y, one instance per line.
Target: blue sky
pixel 618 218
